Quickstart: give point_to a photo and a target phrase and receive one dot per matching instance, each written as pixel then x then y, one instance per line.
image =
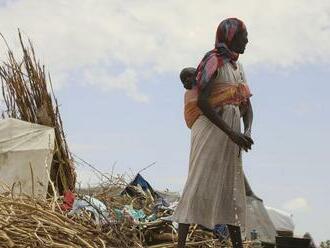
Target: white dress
pixel 214 192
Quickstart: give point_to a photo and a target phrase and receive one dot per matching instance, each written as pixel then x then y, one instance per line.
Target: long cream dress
pixel 214 192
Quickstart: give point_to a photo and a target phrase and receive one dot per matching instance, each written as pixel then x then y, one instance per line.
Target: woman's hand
pixel 247 133
pixel 243 141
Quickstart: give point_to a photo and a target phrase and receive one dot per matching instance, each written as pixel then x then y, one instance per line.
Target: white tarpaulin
pixel 282 220
pixel 24 145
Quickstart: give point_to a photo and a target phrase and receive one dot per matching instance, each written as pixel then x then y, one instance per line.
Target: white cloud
pixel 126 80
pixel 297 204
pixel 150 37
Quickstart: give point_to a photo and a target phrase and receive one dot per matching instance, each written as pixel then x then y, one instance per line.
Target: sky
pixel 115 67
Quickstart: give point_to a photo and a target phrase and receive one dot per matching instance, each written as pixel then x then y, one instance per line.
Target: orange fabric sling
pixel 222 93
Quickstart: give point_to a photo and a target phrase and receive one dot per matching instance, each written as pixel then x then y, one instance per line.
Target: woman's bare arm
pixel 248 119
pixel 216 119
pixel 209 112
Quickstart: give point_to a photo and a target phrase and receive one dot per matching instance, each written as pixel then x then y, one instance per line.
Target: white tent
pixel 26 153
pixel 283 221
pixel 259 220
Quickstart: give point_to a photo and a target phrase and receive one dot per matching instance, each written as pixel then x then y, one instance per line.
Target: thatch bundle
pixel 27 222
pixel 28 95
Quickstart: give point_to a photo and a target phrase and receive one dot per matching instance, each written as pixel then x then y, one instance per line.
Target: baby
pixel 188 77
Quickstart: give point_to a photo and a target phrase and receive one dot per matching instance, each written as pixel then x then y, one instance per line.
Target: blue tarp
pixel 139 180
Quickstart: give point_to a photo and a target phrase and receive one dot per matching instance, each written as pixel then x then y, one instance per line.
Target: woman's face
pixel 239 42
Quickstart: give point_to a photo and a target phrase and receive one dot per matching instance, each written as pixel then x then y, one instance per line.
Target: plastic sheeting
pixel 168 196
pixel 141 182
pixel 93 205
pixel 282 220
pixel 24 145
pixel 144 185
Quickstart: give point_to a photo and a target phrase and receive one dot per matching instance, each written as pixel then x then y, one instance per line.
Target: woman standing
pixel 214 192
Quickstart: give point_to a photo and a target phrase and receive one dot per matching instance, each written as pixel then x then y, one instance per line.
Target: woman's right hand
pixel 243 141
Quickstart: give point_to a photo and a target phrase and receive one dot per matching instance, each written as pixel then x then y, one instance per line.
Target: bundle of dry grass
pixel 27 222
pixel 26 93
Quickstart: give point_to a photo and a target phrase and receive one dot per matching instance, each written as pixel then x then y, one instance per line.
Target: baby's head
pixel 188 77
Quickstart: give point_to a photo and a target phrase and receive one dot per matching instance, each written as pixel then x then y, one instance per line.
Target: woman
pixel 214 192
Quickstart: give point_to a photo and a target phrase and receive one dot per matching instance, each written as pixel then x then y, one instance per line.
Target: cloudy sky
pixel 115 67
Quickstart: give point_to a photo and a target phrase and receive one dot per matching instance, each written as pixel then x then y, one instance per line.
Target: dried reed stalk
pixel 28 96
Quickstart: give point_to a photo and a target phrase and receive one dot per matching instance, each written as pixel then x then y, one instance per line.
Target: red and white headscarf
pixel 221 54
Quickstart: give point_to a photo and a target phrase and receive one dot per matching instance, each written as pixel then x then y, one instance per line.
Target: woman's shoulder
pixel 228 73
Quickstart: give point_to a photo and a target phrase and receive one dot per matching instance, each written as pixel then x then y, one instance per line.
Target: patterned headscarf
pixel 221 54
